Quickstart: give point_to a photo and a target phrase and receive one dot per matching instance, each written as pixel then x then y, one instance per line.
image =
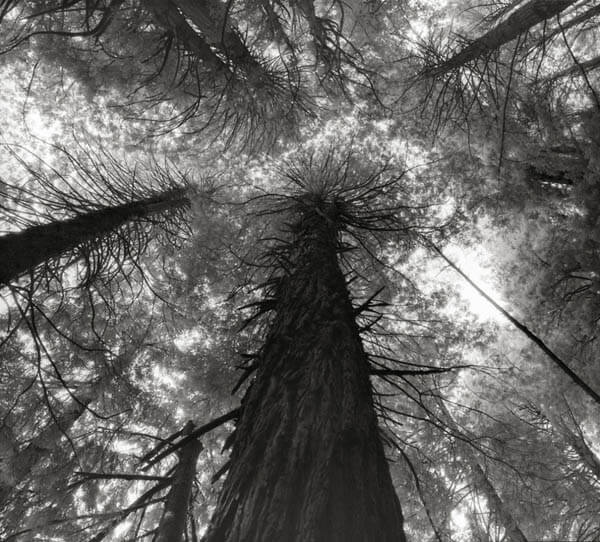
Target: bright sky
pixel 432 274
pixel 475 262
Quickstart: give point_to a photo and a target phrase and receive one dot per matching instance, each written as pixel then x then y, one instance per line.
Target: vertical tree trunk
pixel 512 532
pixel 481 483
pixel 173 521
pixel 23 251
pixel 308 463
pixel 576 440
pixel 518 22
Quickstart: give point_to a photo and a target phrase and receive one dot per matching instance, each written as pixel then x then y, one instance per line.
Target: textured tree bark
pixel 23 251
pixel 168 16
pixel 173 521
pixel 212 18
pixel 518 22
pixel 308 463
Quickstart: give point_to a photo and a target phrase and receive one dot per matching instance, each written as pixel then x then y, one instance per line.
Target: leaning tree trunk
pixel 213 19
pixel 308 463
pixel 23 251
pixel 518 22
pixel 168 15
pixel 576 440
pixel 573 21
pixel 579 69
pixel 173 522
pixel 481 483
pixel 19 464
pixel 499 509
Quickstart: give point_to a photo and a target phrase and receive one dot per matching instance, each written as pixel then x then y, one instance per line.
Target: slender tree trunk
pixel 19 463
pixel 277 32
pixel 577 69
pixel 574 21
pixel 518 22
pixel 213 19
pixel 588 457
pixel 499 509
pixel 315 24
pixel 583 385
pixel 169 17
pixel 172 524
pixel 576 440
pixel 23 251
pixel 481 482
pixel 479 532
pixel 308 463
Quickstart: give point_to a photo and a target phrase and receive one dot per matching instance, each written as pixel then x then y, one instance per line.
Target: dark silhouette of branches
pixel 196 58
pixel 517 22
pixel 175 485
pixel 98 215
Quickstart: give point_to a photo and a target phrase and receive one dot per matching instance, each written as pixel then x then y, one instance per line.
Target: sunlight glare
pixel 121 530
pixel 190 339
pixel 41 126
pixel 125 447
pixel 472 261
pixel 167 377
pixel 460 525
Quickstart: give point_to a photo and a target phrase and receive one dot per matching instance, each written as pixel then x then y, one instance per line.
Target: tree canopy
pixel 298 270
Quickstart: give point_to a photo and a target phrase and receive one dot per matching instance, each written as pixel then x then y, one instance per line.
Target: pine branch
pixel 399 372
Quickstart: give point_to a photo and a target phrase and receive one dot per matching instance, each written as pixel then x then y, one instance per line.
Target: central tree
pixel 308 463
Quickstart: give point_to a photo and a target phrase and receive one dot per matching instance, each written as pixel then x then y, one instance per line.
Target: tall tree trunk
pixel 173 521
pixel 499 509
pixel 518 22
pixel 169 17
pixel 212 17
pixel 18 464
pixel 573 21
pixel 481 483
pixel 576 440
pixel 308 463
pixel 577 69
pixel 23 251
